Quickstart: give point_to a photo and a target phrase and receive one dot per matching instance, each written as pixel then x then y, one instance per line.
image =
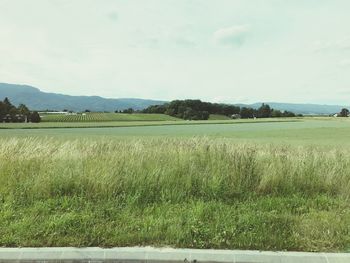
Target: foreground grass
pixel 196 193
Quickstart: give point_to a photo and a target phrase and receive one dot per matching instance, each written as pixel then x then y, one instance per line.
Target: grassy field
pixel 239 185
pixel 307 131
pixel 129 123
pixel 218 117
pixel 110 117
pixel 106 117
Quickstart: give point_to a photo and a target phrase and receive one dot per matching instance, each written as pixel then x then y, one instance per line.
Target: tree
pixel 276 114
pixel 9 112
pixel 35 117
pixel 193 109
pixel 189 114
pixel 264 111
pixel 7 103
pixel 205 115
pixel 13 115
pixel 129 111
pixel 156 109
pixel 247 113
pixel 8 106
pixel 2 110
pixel 24 111
pixel 344 113
pixel 198 110
pixel 288 114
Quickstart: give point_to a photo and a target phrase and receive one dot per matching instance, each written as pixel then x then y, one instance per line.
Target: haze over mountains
pixel 39 100
pixel 307 109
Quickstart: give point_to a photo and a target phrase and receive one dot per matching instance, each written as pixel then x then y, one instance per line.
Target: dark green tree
pixel 129 110
pixel 2 110
pixel 9 108
pixel 344 113
pixel 8 103
pixel 264 111
pixel 247 113
pixel 198 110
pixel 9 113
pixel 35 117
pixel 22 109
pixel 276 114
pixel 288 114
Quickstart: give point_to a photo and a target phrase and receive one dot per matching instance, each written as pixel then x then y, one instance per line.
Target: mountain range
pixel 36 99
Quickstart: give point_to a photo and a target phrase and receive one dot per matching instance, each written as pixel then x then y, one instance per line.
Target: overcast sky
pixel 215 50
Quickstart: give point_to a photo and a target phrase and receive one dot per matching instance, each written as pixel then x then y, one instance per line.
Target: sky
pixel 227 51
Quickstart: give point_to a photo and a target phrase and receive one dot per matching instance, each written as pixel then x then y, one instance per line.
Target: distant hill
pixel 308 109
pixel 38 100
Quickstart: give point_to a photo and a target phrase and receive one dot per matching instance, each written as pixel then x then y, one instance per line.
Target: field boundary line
pixel 162 255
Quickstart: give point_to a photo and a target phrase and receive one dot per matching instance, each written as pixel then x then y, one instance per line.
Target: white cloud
pixel 234 35
pixel 342 44
pixel 113 16
pixel 136 49
pixel 344 63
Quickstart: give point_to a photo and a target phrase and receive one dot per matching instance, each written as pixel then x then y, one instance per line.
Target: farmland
pixel 130 123
pixel 297 132
pixel 105 117
pixel 269 185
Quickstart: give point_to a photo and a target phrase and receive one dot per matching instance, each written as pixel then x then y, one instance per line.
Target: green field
pixel 218 117
pixel 105 117
pixel 307 131
pixel 112 124
pixel 266 185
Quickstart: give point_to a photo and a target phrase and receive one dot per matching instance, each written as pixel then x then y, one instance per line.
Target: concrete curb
pixel 162 255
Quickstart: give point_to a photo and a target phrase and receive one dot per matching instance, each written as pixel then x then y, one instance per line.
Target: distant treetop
pixel 198 110
pixel 11 113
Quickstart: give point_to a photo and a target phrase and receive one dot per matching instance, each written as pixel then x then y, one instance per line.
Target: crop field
pixel 238 185
pixel 112 124
pixel 308 131
pixel 105 117
pixel 218 117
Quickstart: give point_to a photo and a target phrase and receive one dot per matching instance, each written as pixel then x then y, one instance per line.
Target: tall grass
pixel 167 170
pixel 209 181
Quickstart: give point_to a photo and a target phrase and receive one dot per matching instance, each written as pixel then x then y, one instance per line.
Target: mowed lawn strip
pixel 179 192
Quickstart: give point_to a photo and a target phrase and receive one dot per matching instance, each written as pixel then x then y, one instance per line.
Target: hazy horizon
pixel 234 103
pixel 220 51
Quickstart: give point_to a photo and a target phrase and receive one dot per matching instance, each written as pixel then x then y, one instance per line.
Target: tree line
pixel 11 113
pixel 198 110
pixel 344 113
